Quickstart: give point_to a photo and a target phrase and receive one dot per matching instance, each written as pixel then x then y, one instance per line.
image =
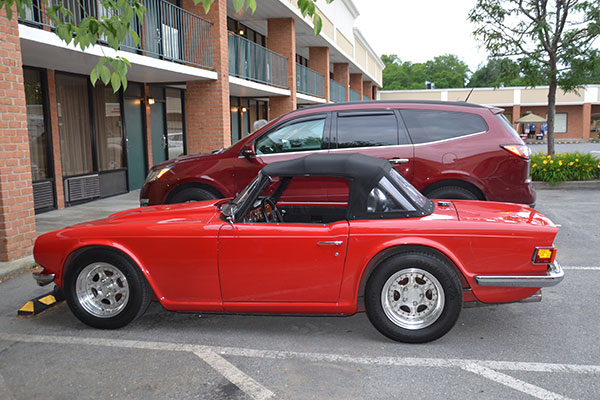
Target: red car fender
pixel 353 287
pixel 109 244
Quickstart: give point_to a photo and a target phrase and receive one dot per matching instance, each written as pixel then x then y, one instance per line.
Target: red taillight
pixel 519 150
pixel 544 255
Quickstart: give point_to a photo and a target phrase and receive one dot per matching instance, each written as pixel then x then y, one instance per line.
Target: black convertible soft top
pixel 362 172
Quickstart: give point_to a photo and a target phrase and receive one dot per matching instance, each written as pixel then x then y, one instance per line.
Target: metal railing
pixel 354 95
pixel 309 82
pixel 365 98
pixel 337 92
pixel 254 62
pixel 168 32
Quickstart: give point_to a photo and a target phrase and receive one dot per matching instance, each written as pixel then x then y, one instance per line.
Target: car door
pixel 281 263
pixel 376 133
pixel 295 138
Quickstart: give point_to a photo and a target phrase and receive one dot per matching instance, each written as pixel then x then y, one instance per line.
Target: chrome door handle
pixel 335 243
pixel 399 160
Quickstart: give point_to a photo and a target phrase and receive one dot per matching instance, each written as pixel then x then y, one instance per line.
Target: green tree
pixel 550 39
pixel 114 27
pixel 447 71
pixel 497 72
pixel 398 75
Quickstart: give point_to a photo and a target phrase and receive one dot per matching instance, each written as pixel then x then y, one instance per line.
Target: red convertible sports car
pixel 409 262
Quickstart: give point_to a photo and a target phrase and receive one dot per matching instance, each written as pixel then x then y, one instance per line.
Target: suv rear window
pixel 367 130
pixel 433 125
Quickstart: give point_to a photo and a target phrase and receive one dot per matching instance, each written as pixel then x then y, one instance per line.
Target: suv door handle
pixel 399 160
pixel 335 243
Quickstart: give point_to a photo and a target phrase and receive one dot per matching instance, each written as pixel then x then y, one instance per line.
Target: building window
pixel 560 123
pixel 74 124
pixel 244 113
pixel 36 125
pixel 109 135
pixel 175 127
pixel 301 60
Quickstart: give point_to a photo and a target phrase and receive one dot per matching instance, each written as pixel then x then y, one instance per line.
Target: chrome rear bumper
pixel 553 277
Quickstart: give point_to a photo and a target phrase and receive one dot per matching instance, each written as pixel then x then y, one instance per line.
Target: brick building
pixel 197 83
pixel 577 114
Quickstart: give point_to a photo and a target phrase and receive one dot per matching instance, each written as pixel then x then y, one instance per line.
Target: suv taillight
pixel 520 150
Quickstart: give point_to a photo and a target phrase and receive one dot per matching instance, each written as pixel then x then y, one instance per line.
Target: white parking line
pixel 582 268
pixel 235 375
pixel 513 383
pixel 484 368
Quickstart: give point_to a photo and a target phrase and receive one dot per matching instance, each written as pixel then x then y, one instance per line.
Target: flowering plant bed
pixel 564 167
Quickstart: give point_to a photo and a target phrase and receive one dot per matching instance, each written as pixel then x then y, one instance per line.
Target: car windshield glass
pixel 230 208
pixel 409 189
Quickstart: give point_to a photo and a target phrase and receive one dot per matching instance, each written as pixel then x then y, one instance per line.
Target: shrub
pixel 564 167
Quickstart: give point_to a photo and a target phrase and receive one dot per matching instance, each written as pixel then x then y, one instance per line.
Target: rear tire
pixel 192 194
pixel 106 290
pixel 414 297
pixel 452 192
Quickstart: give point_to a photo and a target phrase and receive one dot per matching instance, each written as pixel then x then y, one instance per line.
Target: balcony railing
pixel 365 98
pixel 309 82
pixel 337 92
pixel 168 32
pixel 354 95
pixel 254 62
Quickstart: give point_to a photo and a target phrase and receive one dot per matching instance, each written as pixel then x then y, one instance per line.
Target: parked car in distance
pixel 384 248
pixel 445 149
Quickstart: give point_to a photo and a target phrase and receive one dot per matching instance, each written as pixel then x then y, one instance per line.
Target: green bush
pixel 564 167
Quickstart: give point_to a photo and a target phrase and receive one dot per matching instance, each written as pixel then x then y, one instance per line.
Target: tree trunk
pixel 551 113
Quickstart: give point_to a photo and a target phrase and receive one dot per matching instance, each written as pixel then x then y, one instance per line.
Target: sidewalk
pixel 59 219
pixel 562 141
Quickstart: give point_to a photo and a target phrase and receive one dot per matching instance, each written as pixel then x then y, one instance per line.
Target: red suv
pixel 445 149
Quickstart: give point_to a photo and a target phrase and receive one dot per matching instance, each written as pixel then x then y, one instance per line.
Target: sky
pixel 419 30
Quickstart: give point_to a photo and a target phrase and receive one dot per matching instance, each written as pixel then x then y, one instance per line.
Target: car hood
pixel 509 213
pixel 198 212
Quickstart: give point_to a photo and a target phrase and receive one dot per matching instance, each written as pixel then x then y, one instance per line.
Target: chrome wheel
pixel 412 298
pixel 102 290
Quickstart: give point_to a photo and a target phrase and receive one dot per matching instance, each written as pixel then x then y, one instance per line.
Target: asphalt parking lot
pixel 546 350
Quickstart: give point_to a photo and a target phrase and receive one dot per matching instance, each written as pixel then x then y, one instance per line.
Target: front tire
pixel 414 297
pixel 106 290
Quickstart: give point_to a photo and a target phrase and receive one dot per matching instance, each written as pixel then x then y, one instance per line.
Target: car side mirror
pixel 248 150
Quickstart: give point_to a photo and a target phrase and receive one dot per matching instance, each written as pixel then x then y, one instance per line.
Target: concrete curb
pixel 15 267
pixel 570 185
pixel 562 141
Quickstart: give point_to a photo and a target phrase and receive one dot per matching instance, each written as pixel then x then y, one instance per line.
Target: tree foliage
pixel 551 40
pixel 446 71
pixel 115 26
pixel 498 72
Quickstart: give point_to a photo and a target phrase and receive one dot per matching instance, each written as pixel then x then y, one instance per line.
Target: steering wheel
pixel 274 215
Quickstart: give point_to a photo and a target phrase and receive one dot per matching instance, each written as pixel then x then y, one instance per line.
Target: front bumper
pixel 42 278
pixel 553 277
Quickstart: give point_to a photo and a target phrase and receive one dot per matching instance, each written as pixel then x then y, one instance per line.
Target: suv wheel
pixel 452 192
pixel 192 194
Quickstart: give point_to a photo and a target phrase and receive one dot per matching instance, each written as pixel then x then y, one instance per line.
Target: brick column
pixel 207 114
pixel 318 60
pixel 516 111
pixel 17 215
pixel 341 74
pixel 367 89
pixel 282 40
pixel 586 123
pixel 356 84
pixel 55 138
pixel 375 90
